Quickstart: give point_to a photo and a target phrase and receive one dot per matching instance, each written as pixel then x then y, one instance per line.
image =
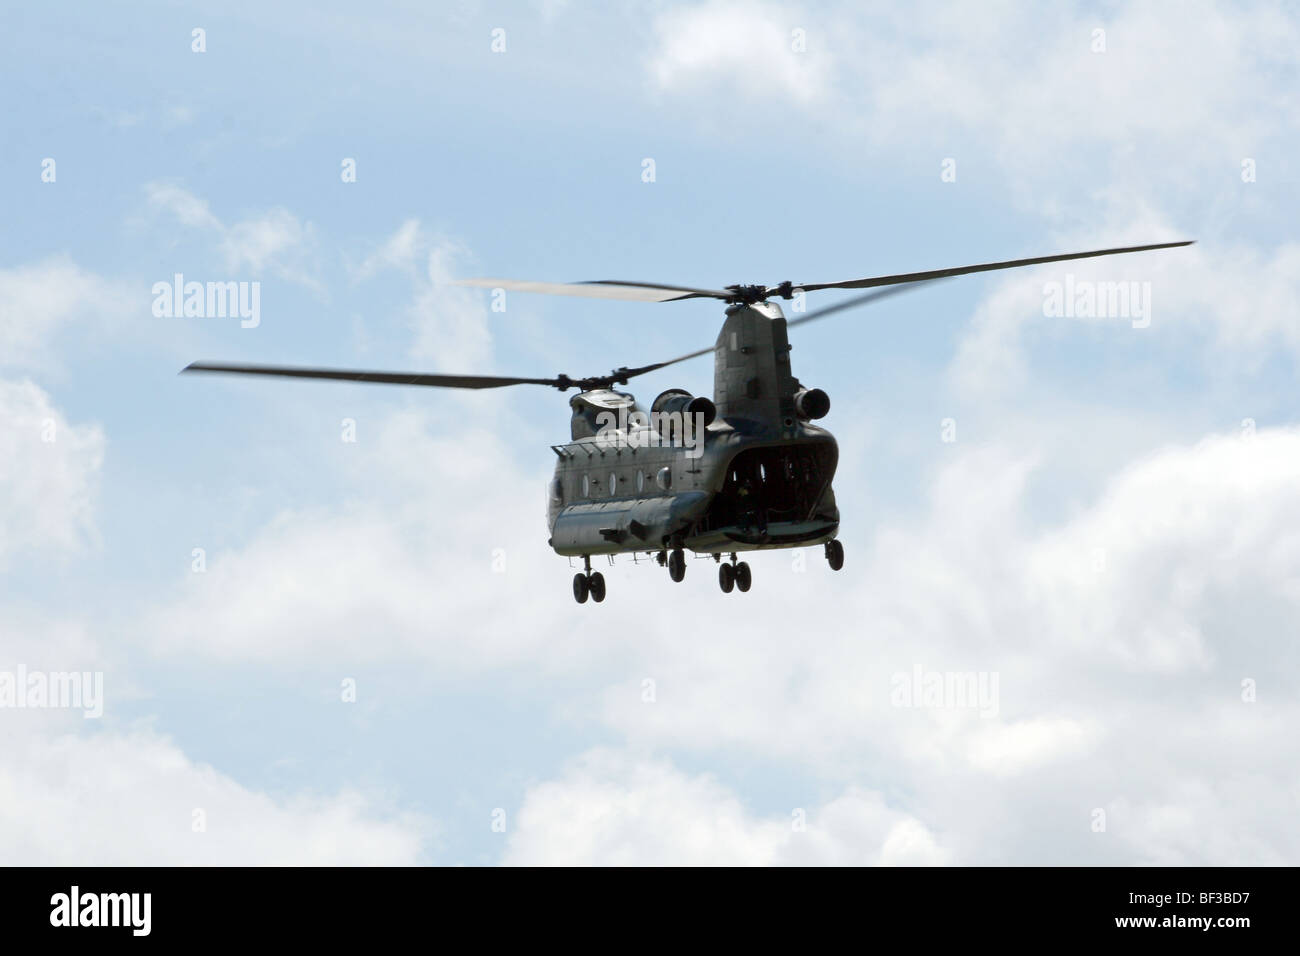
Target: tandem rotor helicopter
pixel 744 471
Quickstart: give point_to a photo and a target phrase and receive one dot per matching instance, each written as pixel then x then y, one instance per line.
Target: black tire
pixel 580 588
pixel 743 578
pixel 835 554
pixel 677 565
pixel 726 578
pixel 596 584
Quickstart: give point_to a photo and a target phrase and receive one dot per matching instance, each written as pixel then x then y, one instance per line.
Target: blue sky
pixel 481 688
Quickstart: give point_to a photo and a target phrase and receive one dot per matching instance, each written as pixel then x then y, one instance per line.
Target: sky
pixel 326 622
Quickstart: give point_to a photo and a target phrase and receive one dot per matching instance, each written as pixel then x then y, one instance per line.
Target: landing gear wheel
pixel 677 565
pixel 581 588
pixel 596 584
pixel 726 578
pixel 743 578
pixel 835 554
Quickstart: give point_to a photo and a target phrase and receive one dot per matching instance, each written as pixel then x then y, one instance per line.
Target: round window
pixel 613 483
pixel 664 478
pixel 640 481
pixel 586 486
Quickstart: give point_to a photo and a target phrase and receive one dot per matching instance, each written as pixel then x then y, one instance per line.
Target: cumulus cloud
pixel 41 301
pixel 275 241
pixel 377 575
pixel 1113 632
pixel 75 793
pixel 402 251
pixel 1030 82
pixel 187 208
pixel 135 799
pixel 614 808
pixel 1138 72
pixel 756 49
pixel 449 323
pixel 258 243
pixel 1229 302
pixel 49 476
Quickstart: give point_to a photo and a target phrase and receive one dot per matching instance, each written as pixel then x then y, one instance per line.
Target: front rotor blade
pixel 851 303
pixel 602 289
pixel 385 378
pixel 983 267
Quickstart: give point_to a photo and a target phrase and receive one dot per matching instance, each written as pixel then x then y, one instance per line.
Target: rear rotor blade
pixel 983 267
pixel 850 303
pixel 642 370
pixel 385 378
pixel 602 289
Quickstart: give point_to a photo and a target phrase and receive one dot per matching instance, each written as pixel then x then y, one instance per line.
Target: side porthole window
pixel 640 481
pixel 613 484
pixel 664 478
pixel 557 491
pixel 586 486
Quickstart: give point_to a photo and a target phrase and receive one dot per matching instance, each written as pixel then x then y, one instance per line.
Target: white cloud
pixel 1200 74
pixel 1103 665
pixel 449 323
pixel 260 242
pixel 1182 535
pixel 188 209
pixel 40 301
pixel 275 241
pixel 1009 748
pixel 1112 634
pixel 137 801
pixel 737 46
pixel 376 575
pixel 178 116
pixel 73 792
pixel 612 808
pixel 1232 302
pixel 402 251
pixel 49 475
pixel 859 828
pixel 1026 80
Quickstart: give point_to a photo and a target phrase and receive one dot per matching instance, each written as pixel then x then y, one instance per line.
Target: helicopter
pixel 746 470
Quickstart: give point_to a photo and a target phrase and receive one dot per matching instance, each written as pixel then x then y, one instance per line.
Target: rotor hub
pixel 747 294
